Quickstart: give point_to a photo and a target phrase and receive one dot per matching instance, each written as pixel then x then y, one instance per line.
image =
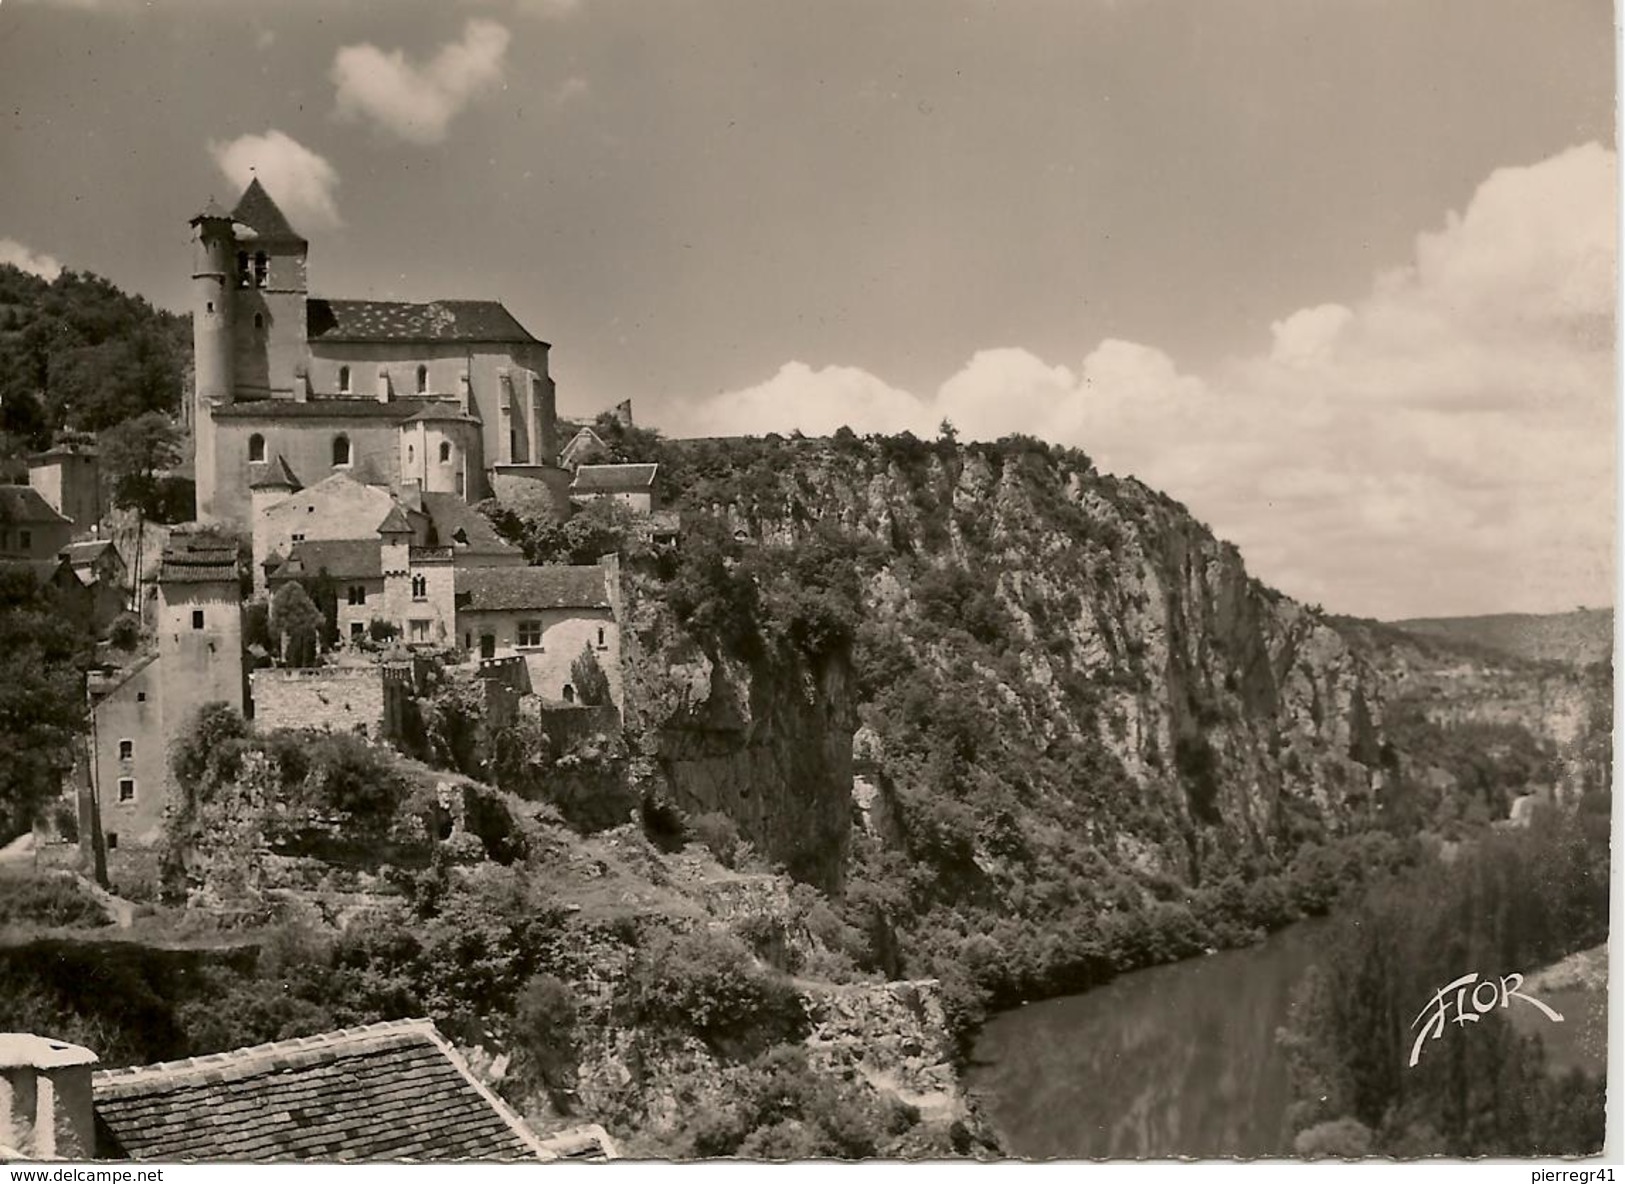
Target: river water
pixel 1178 1060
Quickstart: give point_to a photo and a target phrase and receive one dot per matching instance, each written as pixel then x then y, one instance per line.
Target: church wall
pixel 306 443
pixel 267 354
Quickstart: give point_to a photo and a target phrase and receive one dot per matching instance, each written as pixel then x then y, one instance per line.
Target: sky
pixel 1340 275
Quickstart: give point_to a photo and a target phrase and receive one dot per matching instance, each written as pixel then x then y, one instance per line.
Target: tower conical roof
pixel 258 212
pixel 211 209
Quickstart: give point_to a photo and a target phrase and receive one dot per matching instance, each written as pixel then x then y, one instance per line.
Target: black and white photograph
pixel 938 581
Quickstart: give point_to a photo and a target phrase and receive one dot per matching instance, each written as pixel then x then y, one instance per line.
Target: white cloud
pixel 571 89
pixel 302 182
pixel 13 252
pixel 418 102
pixel 1445 445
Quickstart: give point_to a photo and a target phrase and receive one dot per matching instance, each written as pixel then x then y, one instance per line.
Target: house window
pixel 297 536
pixel 423 380
pixel 141 696
pixel 600 637
pixel 358 594
pixel 25 539
pixel 197 618
pixel 259 320
pixel 420 587
pixel 344 380
pixel 417 631
pixel 112 840
pixel 411 454
pixel 262 273
pixel 5 540
pixel 488 646
pixel 208 306
pixel 341 451
pixel 126 749
pixel 530 633
pixel 126 789
pixel 445 452
pixel 357 631
pixel 256 448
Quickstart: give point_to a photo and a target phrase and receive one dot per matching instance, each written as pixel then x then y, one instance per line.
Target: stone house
pixel 29 527
pixel 548 616
pixel 101 569
pixel 634 485
pixel 69 478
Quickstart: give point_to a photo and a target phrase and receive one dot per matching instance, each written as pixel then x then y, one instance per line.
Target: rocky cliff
pixel 1077 638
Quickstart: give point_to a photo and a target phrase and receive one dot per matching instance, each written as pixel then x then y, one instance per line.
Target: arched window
pixel 344 380
pixel 411 454
pixel 341 450
pixel 445 452
pixel 569 693
pixel 262 269
pixel 256 448
pixel 423 380
pixel 243 276
pixel 259 320
pixel 420 588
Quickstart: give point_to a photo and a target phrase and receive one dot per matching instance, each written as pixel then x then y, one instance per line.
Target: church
pixel 448 397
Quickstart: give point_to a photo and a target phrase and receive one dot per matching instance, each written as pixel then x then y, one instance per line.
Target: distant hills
pixel 1579 638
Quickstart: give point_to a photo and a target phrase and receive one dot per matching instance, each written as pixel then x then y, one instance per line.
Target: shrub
pixel 588 677
pixel 125 631
pixel 544 1030
pixel 719 834
pixel 381 630
pixel 708 984
pixel 58 903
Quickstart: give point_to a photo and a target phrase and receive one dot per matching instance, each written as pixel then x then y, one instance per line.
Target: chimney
pixel 45 1099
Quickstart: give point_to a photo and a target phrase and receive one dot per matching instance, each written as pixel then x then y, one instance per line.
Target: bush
pixel 57 903
pixel 708 984
pixel 381 630
pixel 719 834
pixel 125 631
pixel 588 677
pixel 544 1031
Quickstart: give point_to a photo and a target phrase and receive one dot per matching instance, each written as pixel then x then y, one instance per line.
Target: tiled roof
pixel 197 561
pixel 458 524
pixel 86 553
pixel 343 559
pixel 23 503
pixel 256 210
pixel 396 409
pixel 394 522
pixel 272 474
pixel 441 411
pixel 517 589
pixel 391 1091
pixel 597 478
pixel 394 320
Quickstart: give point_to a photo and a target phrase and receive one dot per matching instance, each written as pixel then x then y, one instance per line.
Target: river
pixel 1178 1060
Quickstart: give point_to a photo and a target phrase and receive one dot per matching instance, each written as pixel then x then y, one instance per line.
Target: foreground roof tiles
pixel 524 589
pixel 394 320
pixel 390 1091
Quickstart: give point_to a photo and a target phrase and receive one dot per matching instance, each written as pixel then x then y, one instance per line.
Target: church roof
pixel 259 213
pixel 393 320
pixel 211 209
pixel 388 1091
pixel 524 589
pixel 396 409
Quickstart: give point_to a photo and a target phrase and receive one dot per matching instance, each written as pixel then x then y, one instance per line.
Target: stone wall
pixel 367 699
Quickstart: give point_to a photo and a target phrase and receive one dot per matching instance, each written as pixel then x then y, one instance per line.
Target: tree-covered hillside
pixel 77 353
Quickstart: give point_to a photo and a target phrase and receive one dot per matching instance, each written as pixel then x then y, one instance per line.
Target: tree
pixel 297 623
pixel 134 453
pixel 42 699
pixel 590 681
